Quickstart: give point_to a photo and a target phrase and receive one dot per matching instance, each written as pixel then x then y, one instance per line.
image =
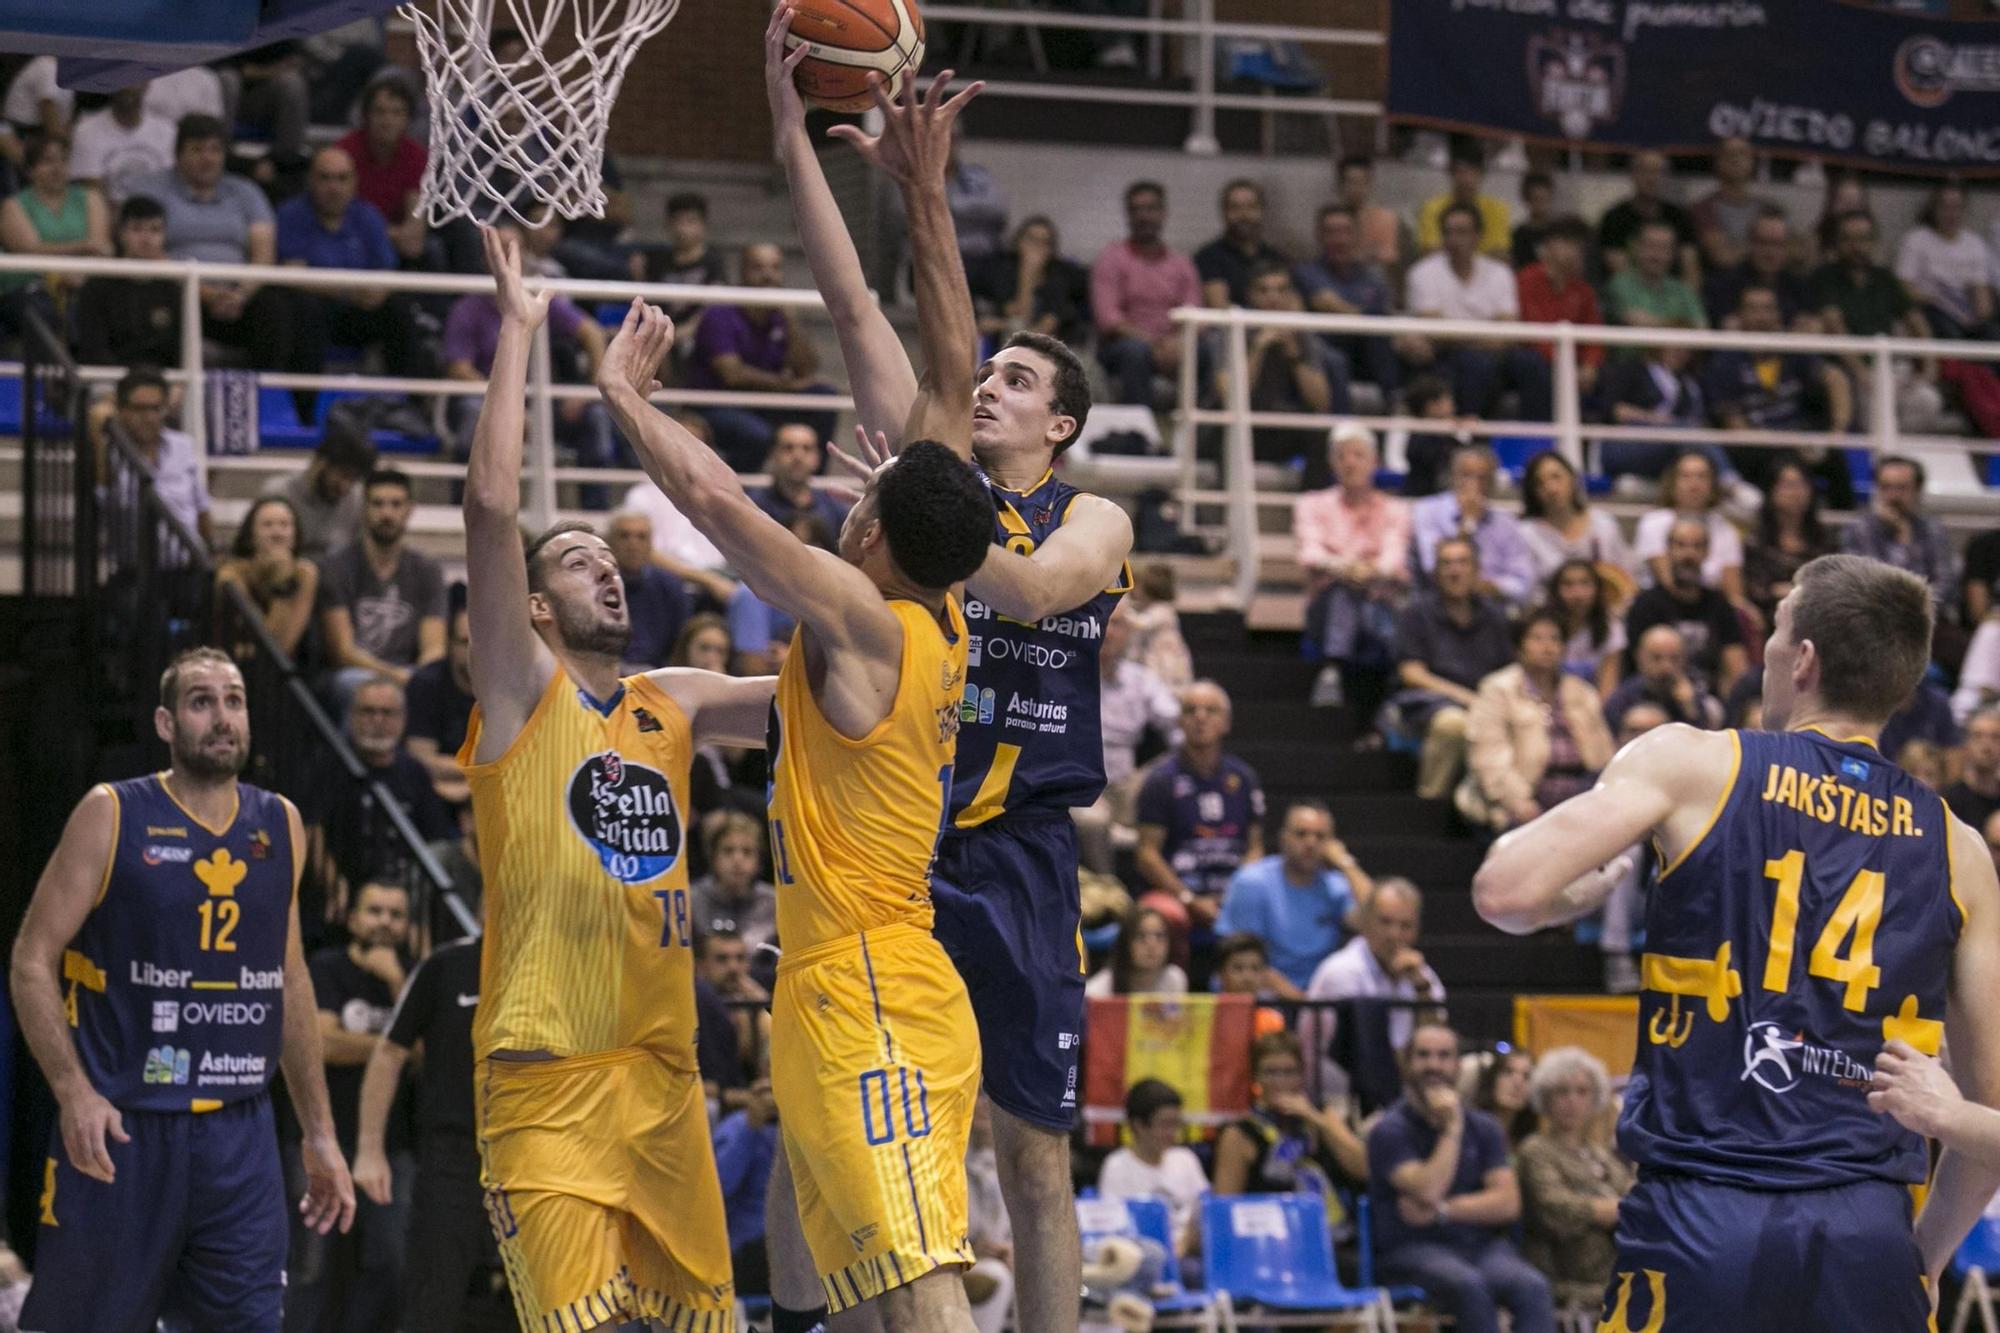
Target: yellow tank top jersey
pixel 855 823
pixel 582 830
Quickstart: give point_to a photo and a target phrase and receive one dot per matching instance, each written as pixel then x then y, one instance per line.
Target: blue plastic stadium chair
pixel 1977 1264
pixel 1274 1251
pixel 1099 1219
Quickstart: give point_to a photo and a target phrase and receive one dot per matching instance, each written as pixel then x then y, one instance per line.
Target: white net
pixel 520 131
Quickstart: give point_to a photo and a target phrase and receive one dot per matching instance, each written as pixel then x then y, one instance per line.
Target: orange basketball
pixel 847 39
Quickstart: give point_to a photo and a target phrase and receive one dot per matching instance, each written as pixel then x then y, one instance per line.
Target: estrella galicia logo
pixel 626 812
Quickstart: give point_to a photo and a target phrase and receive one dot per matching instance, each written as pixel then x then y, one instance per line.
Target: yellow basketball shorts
pixel 875 1066
pixel 601 1188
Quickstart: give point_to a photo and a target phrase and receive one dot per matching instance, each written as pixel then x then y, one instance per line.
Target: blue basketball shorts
pixel 1008 915
pixel 1721 1257
pixel 194 1224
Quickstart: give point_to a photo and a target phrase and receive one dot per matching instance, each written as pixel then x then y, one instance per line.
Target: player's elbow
pixel 1502 900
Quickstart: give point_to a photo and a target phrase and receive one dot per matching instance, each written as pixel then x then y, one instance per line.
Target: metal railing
pixel 1202 33
pixel 1568 432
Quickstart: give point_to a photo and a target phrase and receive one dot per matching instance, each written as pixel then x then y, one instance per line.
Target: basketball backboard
pixel 106 45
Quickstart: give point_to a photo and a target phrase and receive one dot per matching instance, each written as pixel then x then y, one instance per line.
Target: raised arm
pixel 885 384
pixel 721 710
pixel 512 666
pixel 915 149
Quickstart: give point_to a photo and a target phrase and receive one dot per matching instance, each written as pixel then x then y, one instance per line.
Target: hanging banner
pixel 1810 78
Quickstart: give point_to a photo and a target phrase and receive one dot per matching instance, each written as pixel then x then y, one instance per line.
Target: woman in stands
pixel 1948 268
pixel 720 778
pixel 1140 963
pixel 1501 1090
pixel 1579 596
pixel 264 561
pixel 1535 734
pixel 50 217
pixel 1570 1183
pixel 1788 534
pixel 1561 526
pixel 1692 489
pixel 1286 1144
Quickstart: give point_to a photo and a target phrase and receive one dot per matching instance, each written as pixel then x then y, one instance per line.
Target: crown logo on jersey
pixel 1618 1321
pixel 221 873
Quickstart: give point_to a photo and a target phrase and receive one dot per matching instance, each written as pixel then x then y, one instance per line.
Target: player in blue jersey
pixel 160 983
pixel 1815 904
pixel 1029 745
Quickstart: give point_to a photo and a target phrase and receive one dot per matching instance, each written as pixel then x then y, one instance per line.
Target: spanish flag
pixel 1197 1044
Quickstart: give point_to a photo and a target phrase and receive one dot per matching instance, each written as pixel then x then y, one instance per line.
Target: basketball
pixel 847 39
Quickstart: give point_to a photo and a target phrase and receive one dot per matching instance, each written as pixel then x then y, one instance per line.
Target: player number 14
pixel 1859 913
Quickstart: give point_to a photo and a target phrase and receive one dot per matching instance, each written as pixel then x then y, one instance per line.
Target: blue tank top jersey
pixel 1812 922
pixel 175 984
pixel 1028 735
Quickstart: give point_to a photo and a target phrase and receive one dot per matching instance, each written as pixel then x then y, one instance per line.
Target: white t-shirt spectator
pixel 215 230
pixel 1134 699
pixel 1434 289
pixel 1177 1182
pixel 115 155
pixel 1352 972
pixel 1944 272
pixel 196 90
pixel 1172 981
pixel 34 85
pixel 1725 544
pixel 673 536
pixel 177 479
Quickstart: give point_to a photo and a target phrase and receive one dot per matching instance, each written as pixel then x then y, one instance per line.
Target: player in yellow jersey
pixel 594 1141
pixel 874 1051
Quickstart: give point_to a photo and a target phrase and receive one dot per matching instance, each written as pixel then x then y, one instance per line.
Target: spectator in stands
pixel 1297 902
pixel 1450 638
pixel 1353 544
pixel 732 895
pixel 1559 524
pixel 1535 734
pixel 1660 679
pixel 225 219
pixel 1427 454
pixel 1229 263
pixel 196 90
pixel 1201 812
pixel 1767 262
pixel 1538 198
pixel 351 840
pixel 746 1145
pixel 1382 961
pixel 793 461
pixel 1286 1145
pixel 1705 617
pixel 1506 563
pixel 1342 282
pixel 722 959
pixel 389 162
pixel 686 258
pixel 356 1275
pixel 1445 1198
pixel 36 101
pixel 1457 282
pixel 1896 531
pixel 1691 489
pixel 1141 959
pixel 1029 285
pixel 269 89
pixel 117 143
pixel 1778 390
pixel 1925 761
pixel 1579 594
pixel 1722 217
pixel 326 492
pixel 1645 292
pixel 1924 719
pixel 1858 297
pixel 328 227
pixel 1157 640
pixel 656 602
pixel 1492 222
pixel 1788 534
pixel 978 204
pixel 1290 370
pixel 760 349
pixel 51 216
pixel 1948 267
pixel 1552 288
pixel 1621 222
pixel 382 604
pixel 1385 238
pixel 1134 285
pixel 264 561
pixel 141 420
pixel 1133 702
pixel 438 701
pixel 1500 1088
pixel 1982 577
pixel 1243 967
pixel 1158 1165
pixel 1570 1183
pixel 1653 388
pixel 131 321
pixel 1976 794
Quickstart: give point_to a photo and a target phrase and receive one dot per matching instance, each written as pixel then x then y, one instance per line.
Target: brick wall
pixel 696 91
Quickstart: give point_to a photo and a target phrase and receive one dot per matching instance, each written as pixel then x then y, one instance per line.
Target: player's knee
pixel 932 1302
pixel 1034 1160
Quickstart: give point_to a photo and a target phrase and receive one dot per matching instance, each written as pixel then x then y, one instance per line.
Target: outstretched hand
pixel 915 142
pixel 870 456
pixel 788 109
pixel 633 358
pixel 503 259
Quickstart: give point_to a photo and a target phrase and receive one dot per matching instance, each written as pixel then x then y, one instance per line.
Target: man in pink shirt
pixel 1134 286
pixel 1354 546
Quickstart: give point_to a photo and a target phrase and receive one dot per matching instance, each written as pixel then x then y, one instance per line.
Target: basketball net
pixel 524 138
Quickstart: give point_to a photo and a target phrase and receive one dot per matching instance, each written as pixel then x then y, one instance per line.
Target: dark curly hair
pixel 936 513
